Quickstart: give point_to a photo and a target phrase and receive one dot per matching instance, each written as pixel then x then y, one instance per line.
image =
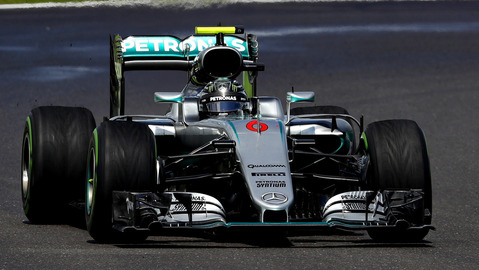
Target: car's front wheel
pixel 54 150
pixel 399 161
pixel 121 157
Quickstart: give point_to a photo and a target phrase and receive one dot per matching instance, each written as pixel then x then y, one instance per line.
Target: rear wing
pixel 168 52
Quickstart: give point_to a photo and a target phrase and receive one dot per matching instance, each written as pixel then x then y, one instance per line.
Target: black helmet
pixel 223 96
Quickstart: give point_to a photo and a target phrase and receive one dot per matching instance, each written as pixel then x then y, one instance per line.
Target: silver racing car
pixel 222 158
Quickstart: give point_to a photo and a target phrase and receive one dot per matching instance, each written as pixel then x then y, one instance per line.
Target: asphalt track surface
pixel 382 60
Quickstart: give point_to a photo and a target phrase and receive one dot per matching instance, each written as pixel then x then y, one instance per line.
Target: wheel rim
pixel 26 163
pixel 90 180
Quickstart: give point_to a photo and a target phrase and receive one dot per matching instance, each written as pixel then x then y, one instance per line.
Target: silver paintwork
pixel 168 97
pixel 205 209
pixel 265 151
pixel 162 130
pixel 260 144
pixel 256 146
pixel 351 207
pixel 313 129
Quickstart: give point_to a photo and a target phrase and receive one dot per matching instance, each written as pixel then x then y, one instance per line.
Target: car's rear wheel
pixel 399 161
pixel 55 144
pixel 122 157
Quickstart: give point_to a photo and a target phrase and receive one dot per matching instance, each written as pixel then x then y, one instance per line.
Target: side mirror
pixel 293 97
pixel 168 97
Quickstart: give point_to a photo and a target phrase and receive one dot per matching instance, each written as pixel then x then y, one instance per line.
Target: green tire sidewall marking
pixel 95 177
pixel 365 140
pixel 30 165
pixel 425 142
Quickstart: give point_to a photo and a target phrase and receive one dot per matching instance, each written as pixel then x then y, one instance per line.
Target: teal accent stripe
pixel 281 130
pixel 332 223
pixel 273 223
pixel 295 99
pixel 341 146
pixel 234 129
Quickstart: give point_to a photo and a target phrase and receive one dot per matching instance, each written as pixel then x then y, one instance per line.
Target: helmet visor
pixel 224 106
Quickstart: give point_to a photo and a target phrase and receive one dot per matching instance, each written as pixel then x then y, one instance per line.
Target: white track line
pixel 188 4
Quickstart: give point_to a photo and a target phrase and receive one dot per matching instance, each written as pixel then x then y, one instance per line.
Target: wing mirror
pixel 293 97
pixel 168 97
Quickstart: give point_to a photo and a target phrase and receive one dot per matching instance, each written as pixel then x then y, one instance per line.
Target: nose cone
pixel 265 164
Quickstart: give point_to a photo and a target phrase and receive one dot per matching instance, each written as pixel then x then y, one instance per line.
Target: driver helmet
pixel 223 96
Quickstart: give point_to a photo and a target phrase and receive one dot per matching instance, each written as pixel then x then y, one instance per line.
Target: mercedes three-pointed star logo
pixel 274 198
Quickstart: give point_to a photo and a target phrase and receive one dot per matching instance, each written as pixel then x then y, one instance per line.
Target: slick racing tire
pixel 55 145
pixel 121 157
pixel 399 161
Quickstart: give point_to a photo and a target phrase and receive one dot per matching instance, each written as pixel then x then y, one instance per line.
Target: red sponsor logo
pixel 253 126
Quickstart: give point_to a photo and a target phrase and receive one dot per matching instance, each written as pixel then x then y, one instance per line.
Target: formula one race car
pixel 222 157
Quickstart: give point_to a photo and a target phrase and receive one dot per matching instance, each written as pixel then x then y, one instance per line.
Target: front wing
pixel 170 212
